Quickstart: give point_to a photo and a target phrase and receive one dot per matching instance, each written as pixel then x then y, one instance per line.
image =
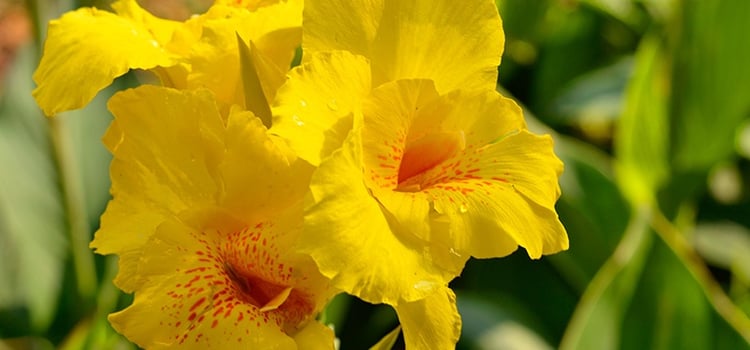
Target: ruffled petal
pixel 366 253
pixel 86 50
pixel 173 153
pixel 313 108
pixel 166 146
pixel 251 157
pixel 458 44
pixel 490 198
pixel 461 170
pixel 211 55
pixel 211 285
pixel 432 322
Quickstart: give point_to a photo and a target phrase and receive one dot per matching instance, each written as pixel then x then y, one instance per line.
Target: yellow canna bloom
pixel 88 48
pixel 420 163
pixel 205 211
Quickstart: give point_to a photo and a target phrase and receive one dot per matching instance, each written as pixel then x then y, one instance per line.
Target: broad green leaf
pixel 33 237
pixel 673 309
pixel 726 245
pixel 596 323
pixel 641 141
pixel 592 209
pixel 489 325
pixel 649 297
pixel 596 97
pixel 711 81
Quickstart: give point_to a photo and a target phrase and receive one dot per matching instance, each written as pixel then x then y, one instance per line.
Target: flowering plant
pixel 246 195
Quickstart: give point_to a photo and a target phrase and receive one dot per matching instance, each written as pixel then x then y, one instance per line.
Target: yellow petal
pixel 315 336
pixel 85 50
pixel 361 241
pixel 477 182
pixel 209 53
pixel 251 157
pixel 458 44
pixel 313 108
pixel 161 29
pixel 432 322
pixel 206 287
pixel 491 198
pixel 167 148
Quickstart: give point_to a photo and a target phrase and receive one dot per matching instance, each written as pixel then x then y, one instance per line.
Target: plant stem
pixel 75 209
pixel 715 294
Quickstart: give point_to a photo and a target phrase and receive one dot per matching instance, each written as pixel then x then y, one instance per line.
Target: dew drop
pixel 424 285
pixel 303 103
pixel 154 43
pixel 462 209
pixel 454 252
pixel 333 105
pixel 297 120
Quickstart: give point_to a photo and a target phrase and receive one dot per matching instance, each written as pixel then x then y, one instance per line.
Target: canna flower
pixel 205 210
pixel 88 48
pixel 420 163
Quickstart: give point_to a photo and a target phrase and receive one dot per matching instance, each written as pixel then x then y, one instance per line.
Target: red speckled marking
pixel 225 287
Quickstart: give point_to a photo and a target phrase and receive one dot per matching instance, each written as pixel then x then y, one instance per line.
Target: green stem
pixel 690 258
pixel 75 209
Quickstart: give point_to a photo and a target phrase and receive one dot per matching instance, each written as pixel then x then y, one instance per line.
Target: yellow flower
pixel 206 209
pixel 420 163
pixel 86 49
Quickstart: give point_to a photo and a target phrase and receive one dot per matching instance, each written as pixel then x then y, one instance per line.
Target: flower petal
pixel 166 146
pixel 173 153
pixel 458 44
pixel 482 196
pixel 313 108
pixel 496 195
pixel 432 322
pixel 206 285
pixel 86 49
pixel 277 181
pixel 213 56
pixel 365 252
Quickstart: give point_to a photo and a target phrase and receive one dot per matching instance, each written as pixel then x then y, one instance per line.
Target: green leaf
pixel 711 82
pixel 488 325
pixel 641 141
pixel 596 323
pixel 32 220
pixel 388 341
pixel 255 96
pixel 592 209
pixel 595 97
pixel 726 245
pixel 649 297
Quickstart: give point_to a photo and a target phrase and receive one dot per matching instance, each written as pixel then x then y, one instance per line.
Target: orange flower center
pixel 425 153
pixel 250 264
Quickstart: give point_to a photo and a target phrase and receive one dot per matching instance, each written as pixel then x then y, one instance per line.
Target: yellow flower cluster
pixel 247 194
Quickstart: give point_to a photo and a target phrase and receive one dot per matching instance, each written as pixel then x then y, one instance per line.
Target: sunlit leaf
pixel 642 138
pixel 388 340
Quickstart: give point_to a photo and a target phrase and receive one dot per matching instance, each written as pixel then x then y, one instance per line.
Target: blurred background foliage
pixel 649 105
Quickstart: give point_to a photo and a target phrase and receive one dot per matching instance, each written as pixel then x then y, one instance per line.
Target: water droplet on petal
pixel 333 105
pixel 454 252
pixel 463 209
pixel 303 103
pixel 424 285
pixel 297 120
